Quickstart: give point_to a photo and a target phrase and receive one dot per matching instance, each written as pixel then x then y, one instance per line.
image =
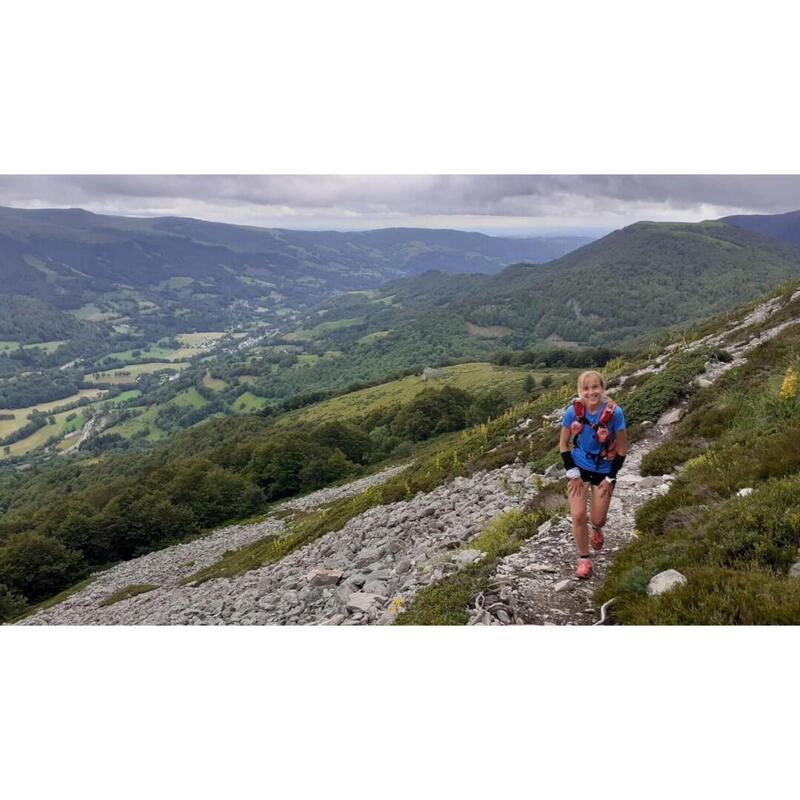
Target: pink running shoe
pixel 597 538
pixel 584 569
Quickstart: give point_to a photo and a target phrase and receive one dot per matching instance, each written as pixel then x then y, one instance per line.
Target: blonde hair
pixel 590 373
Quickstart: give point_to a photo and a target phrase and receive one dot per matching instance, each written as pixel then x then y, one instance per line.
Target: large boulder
pixel 665 581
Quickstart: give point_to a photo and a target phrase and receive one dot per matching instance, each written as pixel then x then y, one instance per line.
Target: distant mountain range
pixel 785 227
pixel 69 257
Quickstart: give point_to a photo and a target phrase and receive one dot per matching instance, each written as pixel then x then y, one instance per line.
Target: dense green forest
pixel 28 319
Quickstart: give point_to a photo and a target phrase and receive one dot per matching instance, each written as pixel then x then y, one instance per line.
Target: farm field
pixel 305 335
pixel 50 347
pixel 130 373
pixel 154 353
pixel 8 426
pixel 189 398
pixel 215 384
pixel 248 402
pixel 123 397
pixel 145 420
pixel 59 427
pixel 92 313
pixel 193 345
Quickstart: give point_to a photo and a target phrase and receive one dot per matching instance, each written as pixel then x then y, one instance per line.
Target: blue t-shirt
pixel 588 446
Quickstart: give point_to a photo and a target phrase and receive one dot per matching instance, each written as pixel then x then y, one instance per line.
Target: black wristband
pixel 569 462
pixel 616 465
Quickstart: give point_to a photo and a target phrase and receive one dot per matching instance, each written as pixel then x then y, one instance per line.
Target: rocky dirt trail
pixel 536 585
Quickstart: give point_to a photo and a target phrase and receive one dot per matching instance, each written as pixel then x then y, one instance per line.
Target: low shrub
pixel 658 391
pixel 127 592
pixel 673 452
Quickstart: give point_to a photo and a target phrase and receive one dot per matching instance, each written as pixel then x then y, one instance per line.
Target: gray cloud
pixel 472 201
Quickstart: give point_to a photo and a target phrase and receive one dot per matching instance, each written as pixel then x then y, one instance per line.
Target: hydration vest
pixel 608 447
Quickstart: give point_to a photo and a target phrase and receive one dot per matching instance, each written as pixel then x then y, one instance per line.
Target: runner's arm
pixel 622 442
pixel 563 442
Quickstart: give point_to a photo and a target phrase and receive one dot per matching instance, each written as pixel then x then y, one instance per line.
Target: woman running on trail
pixel 596 425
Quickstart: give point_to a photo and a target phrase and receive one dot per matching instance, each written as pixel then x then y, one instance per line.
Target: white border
pixel 357 87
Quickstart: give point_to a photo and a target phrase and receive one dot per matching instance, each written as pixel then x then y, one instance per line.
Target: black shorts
pixel 595 478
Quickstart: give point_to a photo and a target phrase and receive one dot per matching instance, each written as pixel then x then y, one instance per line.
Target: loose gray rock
pixel 794 570
pixel 291 598
pixel 324 577
pixel 357 580
pixel 673 416
pixel 745 492
pixel 665 581
pixel 540 568
pixel 367 556
pixel 375 587
pixel 562 586
pixel 361 601
pixel 651 481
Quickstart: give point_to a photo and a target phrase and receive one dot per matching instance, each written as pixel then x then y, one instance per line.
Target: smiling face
pixel 592 392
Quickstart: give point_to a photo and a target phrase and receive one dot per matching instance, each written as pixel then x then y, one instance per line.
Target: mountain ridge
pixel 784 227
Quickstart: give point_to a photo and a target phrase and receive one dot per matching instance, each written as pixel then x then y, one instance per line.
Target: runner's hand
pixel 574 486
pixel 606 489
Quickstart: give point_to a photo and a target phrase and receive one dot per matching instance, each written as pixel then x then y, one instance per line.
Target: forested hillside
pixel 635 282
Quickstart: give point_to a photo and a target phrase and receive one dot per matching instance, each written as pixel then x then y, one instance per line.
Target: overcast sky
pixel 508 204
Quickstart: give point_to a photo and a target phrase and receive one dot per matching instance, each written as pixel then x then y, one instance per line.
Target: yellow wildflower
pixel 396 606
pixel 789 388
